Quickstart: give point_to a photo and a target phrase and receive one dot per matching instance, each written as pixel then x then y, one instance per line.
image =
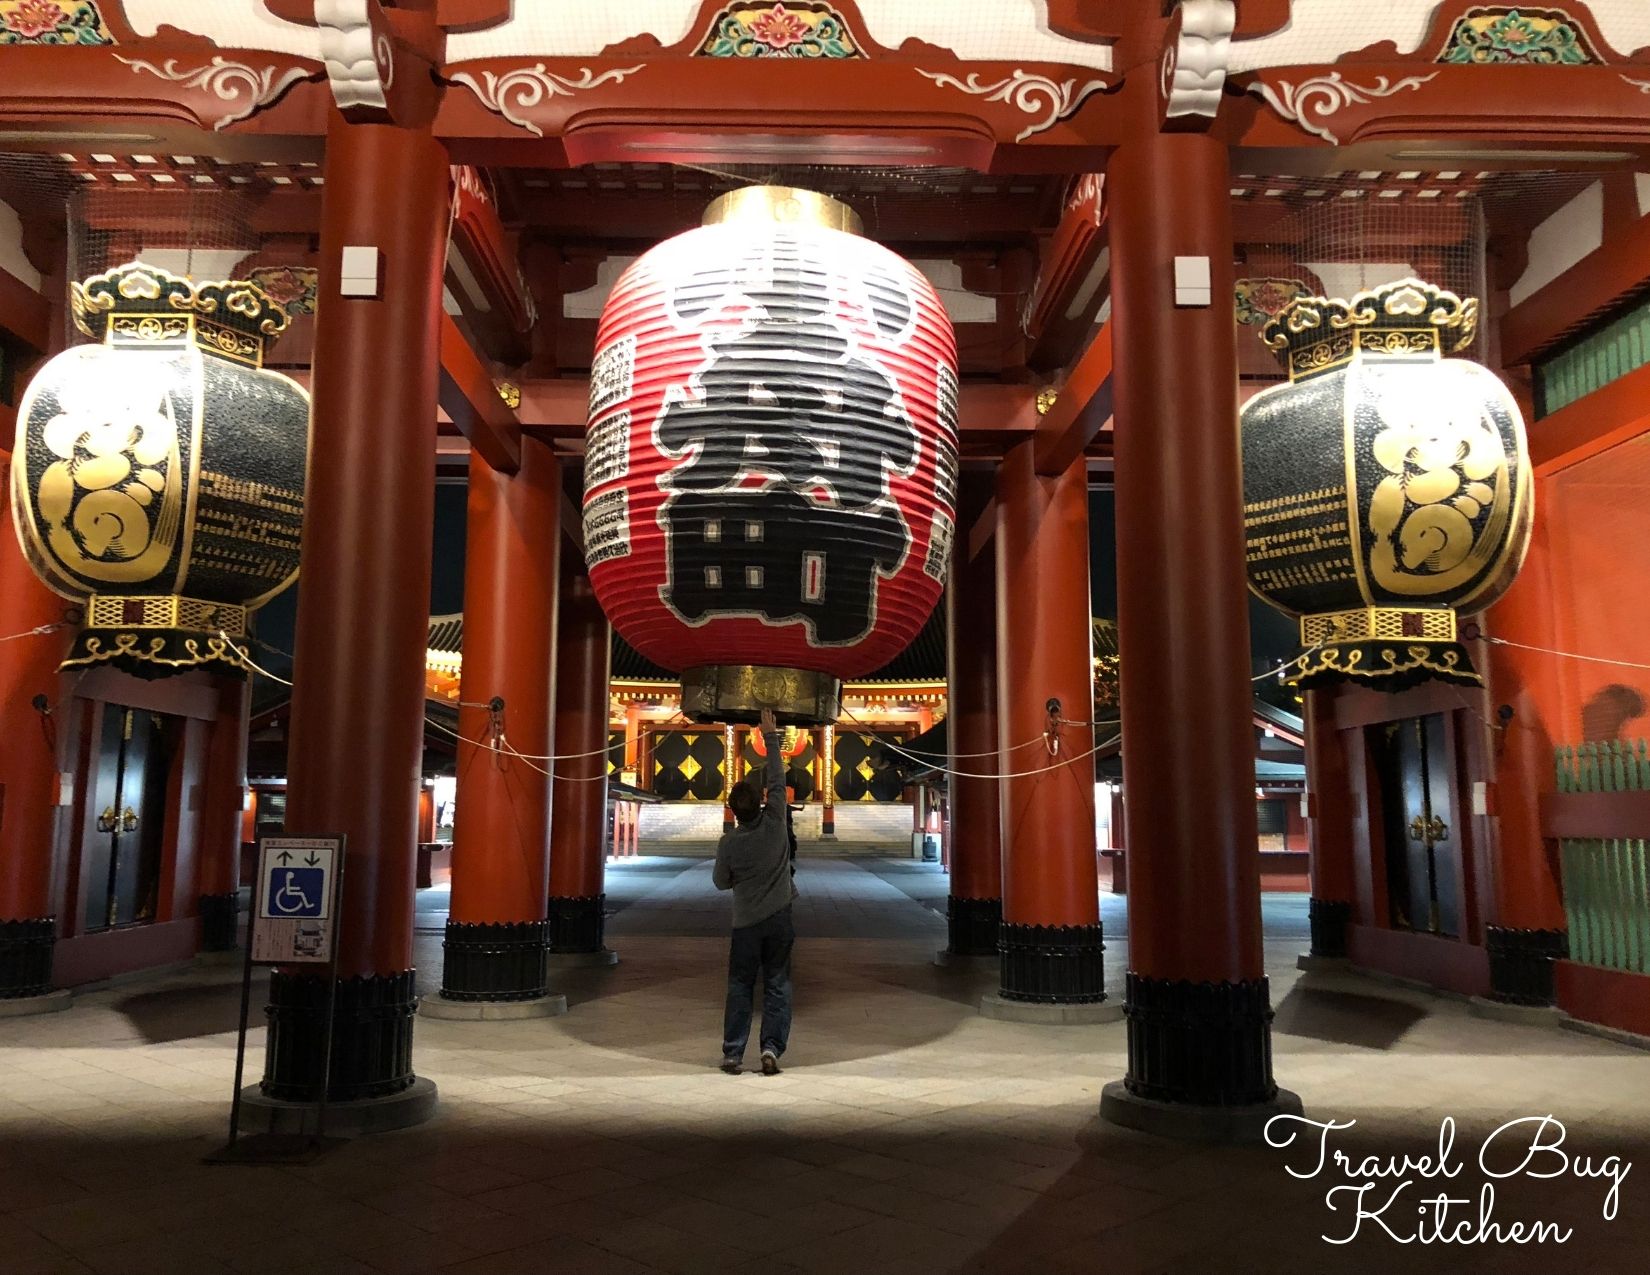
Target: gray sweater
pixel 754 860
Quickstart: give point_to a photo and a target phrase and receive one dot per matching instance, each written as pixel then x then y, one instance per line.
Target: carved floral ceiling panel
pixel 975 30
pixel 52 22
pixel 778 30
pixel 1320 31
pixel 1541 37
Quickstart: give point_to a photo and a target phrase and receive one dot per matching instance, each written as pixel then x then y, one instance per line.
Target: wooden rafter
pixel 470 398
pixel 1081 410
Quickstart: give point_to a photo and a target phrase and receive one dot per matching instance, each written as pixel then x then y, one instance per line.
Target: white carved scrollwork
pixel 1050 100
pixel 246 88
pixel 526 87
pixel 360 61
pixel 1643 86
pixel 1090 186
pixel 1194 67
pixel 1311 102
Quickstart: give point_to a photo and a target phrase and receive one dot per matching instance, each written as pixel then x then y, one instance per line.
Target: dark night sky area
pixel 276 623
pixel 1272 636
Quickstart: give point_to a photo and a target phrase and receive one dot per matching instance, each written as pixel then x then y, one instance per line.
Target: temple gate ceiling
pixel 1008 85
pixel 969 135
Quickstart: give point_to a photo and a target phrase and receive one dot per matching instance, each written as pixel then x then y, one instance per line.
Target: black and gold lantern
pixel 159 475
pixel 1386 489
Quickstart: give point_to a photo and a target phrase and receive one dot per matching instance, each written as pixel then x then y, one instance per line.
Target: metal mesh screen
pixel 190 215
pixel 1336 237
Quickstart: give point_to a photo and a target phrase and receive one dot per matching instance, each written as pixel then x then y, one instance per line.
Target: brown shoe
pixel 770 1063
pixel 733 1066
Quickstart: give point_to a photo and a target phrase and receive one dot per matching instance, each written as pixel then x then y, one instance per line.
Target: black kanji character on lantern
pixel 787 396
pixel 786 393
pixel 778 555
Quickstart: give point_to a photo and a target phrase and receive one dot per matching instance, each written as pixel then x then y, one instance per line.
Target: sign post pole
pixel 337 884
pixel 240 1041
pixel 295 907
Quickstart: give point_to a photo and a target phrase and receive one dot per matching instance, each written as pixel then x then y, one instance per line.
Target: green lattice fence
pixel 1607 880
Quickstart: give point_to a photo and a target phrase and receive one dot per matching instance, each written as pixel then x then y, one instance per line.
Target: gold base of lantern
pixel 1389 648
pixel 739 693
pixel 165 611
pixel 786 205
pixel 157 635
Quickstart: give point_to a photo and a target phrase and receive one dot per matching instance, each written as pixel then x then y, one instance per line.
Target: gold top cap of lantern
pixel 1406 318
pixel 784 205
pixel 139 306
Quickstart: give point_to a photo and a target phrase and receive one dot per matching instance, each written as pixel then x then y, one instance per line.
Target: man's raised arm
pixel 776 763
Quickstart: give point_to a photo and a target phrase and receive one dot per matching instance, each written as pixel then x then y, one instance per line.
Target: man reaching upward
pixel 754 861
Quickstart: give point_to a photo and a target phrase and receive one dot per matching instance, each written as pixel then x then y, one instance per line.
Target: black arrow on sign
pixel 312 860
pixel 283 857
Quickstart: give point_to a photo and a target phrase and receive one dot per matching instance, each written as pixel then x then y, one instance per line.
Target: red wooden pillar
pixel 497 935
pixel 579 794
pixel 223 809
pixel 974 910
pixel 1530 932
pixel 1119 863
pixel 632 739
pixel 28 765
pixel 1329 830
pixel 1050 936
pixel 1198 1005
pixel 357 727
pixel 647 740
pixel 426 814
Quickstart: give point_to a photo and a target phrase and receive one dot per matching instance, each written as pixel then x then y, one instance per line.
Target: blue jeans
pixel 765 946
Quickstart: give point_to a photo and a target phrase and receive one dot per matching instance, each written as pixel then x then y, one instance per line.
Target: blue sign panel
pixel 296 892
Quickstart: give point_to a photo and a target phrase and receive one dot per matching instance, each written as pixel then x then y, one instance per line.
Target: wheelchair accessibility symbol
pixel 296 892
pixel 295 911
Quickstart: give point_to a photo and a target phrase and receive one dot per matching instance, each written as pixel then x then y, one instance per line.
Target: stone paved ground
pixel 907 1134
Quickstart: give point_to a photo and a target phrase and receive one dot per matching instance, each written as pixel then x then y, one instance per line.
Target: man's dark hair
pixel 746 802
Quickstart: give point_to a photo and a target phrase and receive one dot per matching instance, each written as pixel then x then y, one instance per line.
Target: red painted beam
pixel 486 273
pixel 1596 283
pixel 555 408
pixel 1594 814
pixel 1081 410
pixel 24 313
pixel 989 413
pixel 572 525
pixel 1609 415
pixel 468 395
pixel 1069 292
pixel 984 528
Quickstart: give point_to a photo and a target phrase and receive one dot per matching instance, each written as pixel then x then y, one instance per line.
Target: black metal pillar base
pixel 1191 1123
pixel 1052 964
pixel 1522 963
pixel 220 922
pixel 371 1039
pixel 26 957
pixel 576 923
pixel 1199 1044
pixel 296 1122
pixel 495 960
pixel 1329 919
pixel 973 925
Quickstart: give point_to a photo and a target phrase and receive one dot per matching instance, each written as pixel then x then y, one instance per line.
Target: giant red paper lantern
pixel 770 470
